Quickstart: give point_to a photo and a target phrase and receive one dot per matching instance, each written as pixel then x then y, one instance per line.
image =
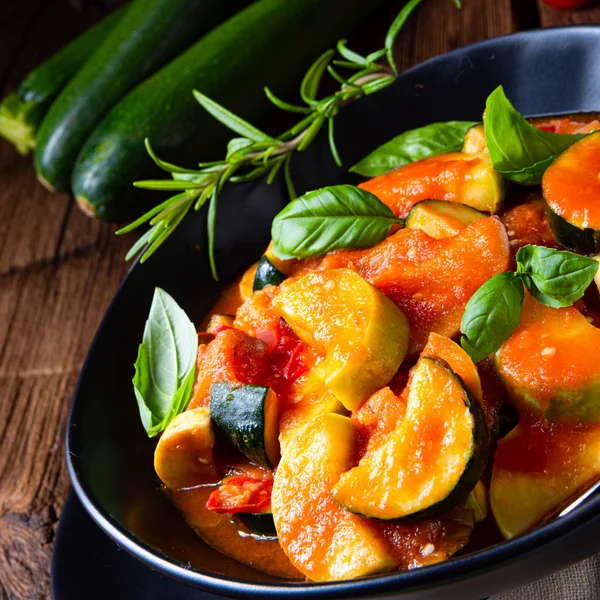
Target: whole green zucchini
pixel 272 42
pixel 150 33
pixel 22 112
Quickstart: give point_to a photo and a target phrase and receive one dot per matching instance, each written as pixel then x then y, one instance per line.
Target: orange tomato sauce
pixel 223 534
pixel 436 178
pixel 425 278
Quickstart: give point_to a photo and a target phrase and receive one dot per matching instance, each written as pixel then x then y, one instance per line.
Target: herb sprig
pixel 556 278
pixel 255 154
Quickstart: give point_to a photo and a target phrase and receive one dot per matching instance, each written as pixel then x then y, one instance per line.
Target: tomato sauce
pixel 527 223
pixel 223 534
pixel 262 349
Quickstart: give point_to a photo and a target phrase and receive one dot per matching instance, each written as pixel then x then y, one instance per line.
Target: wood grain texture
pixel 59 270
pixel 550 17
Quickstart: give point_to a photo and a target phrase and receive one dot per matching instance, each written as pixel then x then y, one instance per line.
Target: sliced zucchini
pixel 440 219
pixel 430 280
pixel 550 364
pixel 477 501
pixel 483 187
pixel 321 539
pixel 279 263
pixel 266 274
pixel 219 322
pixel 475 140
pixel 260 524
pixel 539 469
pixel 248 417
pixel 432 459
pixel 571 189
pixel 316 400
pixel 449 352
pixel 363 334
pixel 184 455
pixel 456 177
pixel 246 285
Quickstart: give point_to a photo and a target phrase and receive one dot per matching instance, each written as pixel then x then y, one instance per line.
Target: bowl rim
pixel 437 574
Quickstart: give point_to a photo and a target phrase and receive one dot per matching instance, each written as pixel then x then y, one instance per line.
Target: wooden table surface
pixel 59 269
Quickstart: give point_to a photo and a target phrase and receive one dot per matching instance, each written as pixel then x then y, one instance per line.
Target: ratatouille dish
pixel 409 371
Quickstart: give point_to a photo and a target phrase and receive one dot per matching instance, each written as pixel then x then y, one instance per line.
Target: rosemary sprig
pixel 254 154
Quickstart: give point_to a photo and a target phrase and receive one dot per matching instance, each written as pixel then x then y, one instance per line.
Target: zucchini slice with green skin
pixel 456 176
pixel 433 458
pixel 440 219
pixel 248 416
pixel 260 524
pixel 571 189
pixel 266 274
pixel 549 365
pixel 21 113
pixel 164 110
pixel 149 35
pixel 539 468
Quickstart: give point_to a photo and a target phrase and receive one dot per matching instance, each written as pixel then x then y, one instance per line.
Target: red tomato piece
pixel 285 355
pixel 241 494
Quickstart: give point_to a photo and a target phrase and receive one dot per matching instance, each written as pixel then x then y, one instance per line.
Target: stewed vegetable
pixel 384 359
pixel 432 459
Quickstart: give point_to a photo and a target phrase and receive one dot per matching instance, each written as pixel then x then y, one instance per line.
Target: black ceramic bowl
pixel 110 459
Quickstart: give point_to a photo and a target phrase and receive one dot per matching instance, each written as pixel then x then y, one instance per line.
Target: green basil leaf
pixel 416 144
pixel 491 315
pixel 339 216
pixel 555 278
pixel 166 364
pixel 518 149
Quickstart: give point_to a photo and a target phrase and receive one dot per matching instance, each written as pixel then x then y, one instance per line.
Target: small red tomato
pixel 241 494
pixel 566 4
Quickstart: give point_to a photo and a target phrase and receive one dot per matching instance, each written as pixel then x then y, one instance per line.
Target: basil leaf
pixel 416 144
pixel 339 216
pixel 491 315
pixel 555 278
pixel 166 364
pixel 518 149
